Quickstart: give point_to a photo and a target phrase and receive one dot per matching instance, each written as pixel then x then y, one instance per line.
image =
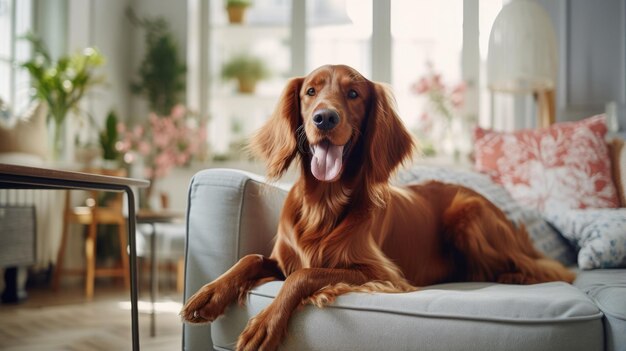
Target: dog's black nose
pixel 326 119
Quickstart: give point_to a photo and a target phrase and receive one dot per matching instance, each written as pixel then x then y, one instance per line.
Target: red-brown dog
pixel 345 228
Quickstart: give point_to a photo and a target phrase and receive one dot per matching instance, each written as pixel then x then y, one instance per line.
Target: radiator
pixel 17 235
pixel 48 207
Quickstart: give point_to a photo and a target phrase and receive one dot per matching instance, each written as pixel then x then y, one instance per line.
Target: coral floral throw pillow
pixel 566 165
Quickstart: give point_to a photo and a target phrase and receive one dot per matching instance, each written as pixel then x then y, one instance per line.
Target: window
pixel 424 33
pixel 386 40
pixel 339 32
pixel 15 21
pixel 488 11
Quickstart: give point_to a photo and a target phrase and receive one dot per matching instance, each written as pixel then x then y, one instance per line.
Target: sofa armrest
pixel 617 152
pixel 230 214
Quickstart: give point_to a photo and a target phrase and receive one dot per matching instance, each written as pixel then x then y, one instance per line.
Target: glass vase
pixel 56 141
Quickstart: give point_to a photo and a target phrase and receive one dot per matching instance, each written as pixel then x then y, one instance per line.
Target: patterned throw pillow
pixel 544 237
pixel 599 234
pixel 566 165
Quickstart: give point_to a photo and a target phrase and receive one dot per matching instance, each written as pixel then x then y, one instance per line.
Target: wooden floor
pixel 66 321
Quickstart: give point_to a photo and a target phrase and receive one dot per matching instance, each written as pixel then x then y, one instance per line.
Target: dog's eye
pixel 352 94
pixel 310 92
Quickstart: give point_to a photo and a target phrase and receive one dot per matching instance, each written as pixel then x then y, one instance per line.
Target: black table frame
pixel 151 218
pixel 38 180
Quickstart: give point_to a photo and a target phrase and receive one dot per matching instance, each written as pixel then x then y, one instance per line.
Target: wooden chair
pixel 92 215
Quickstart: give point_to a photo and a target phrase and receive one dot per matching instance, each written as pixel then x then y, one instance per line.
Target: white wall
pixel 592 56
pixel 110 33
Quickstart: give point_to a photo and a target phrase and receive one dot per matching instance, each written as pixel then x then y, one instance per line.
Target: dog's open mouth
pixel 327 160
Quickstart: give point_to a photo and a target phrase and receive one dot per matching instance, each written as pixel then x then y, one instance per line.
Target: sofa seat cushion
pixel 460 316
pixel 607 288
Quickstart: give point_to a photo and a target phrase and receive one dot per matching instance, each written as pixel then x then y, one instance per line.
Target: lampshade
pixel 522 56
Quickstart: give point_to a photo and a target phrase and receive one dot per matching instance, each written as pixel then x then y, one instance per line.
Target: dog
pixel 344 228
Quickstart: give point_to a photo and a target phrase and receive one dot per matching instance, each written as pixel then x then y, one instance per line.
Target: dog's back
pixel 437 232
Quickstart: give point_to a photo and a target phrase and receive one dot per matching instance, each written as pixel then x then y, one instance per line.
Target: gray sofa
pixel 233 213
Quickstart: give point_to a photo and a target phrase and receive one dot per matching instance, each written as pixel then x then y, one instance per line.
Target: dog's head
pixel 340 124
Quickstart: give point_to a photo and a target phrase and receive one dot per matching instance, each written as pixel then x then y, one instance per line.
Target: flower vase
pixel 56 142
pixel 149 197
pixel 145 197
pixel 464 142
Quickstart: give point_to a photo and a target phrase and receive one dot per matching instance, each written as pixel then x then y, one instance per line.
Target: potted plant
pixel 108 138
pixel 161 74
pixel 61 83
pixel 237 9
pixel 247 70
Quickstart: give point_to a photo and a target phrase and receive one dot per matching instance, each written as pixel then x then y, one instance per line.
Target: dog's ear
pixel 276 141
pixel 387 141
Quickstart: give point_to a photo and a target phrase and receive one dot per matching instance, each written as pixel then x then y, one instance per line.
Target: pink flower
pixel 421 86
pixel 445 101
pixel 163 142
pixel 121 127
pixel 178 112
pixel 138 132
pixel 457 97
pixel 437 84
pixel 144 148
pixel 182 159
pixel 202 133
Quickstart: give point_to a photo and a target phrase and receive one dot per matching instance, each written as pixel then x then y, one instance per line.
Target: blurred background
pixel 275 40
pixel 160 89
pixel 227 72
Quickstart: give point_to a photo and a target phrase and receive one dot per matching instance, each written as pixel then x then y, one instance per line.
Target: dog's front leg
pixel 265 331
pixel 213 298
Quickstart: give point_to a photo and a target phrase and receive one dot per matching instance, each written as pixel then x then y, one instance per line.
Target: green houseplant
pixel 61 83
pixel 108 137
pixel 237 9
pixel 161 74
pixel 247 70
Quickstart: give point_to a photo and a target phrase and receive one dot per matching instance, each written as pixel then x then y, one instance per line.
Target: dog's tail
pixel 492 248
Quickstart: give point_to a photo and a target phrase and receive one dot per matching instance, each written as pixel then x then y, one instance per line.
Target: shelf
pixel 226 106
pixel 250 32
pixel 237 98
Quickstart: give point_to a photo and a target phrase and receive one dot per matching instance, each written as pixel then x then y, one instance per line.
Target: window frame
pixel 12 61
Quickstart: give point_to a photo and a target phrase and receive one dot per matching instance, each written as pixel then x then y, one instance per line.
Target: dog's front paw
pixel 263 332
pixel 208 303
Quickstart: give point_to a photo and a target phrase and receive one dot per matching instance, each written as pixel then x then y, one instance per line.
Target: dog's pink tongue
pixel 326 162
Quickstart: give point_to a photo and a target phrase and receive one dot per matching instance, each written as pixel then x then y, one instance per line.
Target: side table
pixel 152 218
pixel 22 177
